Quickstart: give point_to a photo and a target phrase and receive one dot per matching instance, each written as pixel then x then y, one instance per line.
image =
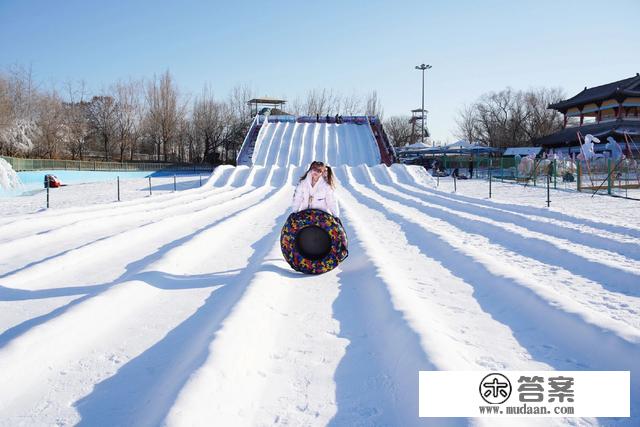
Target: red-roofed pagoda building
pixel 612 109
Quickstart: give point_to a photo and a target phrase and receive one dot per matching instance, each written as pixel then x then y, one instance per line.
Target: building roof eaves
pixel 597 93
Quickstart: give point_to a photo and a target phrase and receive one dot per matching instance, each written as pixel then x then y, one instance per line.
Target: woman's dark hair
pixel 313 165
pixel 329 177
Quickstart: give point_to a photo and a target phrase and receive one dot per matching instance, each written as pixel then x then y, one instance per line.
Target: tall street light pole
pixel 423 67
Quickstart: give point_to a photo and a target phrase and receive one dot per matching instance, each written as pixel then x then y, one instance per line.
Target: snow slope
pixel 8 177
pixel 179 309
pixel 292 143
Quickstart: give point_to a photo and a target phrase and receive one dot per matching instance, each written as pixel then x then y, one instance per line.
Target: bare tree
pixel 328 102
pixel 19 106
pixel 235 131
pixel 542 120
pixel 312 104
pixel 373 106
pixel 510 118
pixel 6 116
pixel 6 110
pixel 319 101
pixel 49 119
pixel 398 129
pixel 75 119
pixel 208 125
pixel 238 116
pixel 351 105
pixel 139 112
pixel 164 112
pixel 127 115
pixel 238 101
pixel 185 146
pixel 102 119
pixel 297 106
pixel 467 126
pixel 23 92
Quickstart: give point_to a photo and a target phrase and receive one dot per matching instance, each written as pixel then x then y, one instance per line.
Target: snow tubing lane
pixel 313 241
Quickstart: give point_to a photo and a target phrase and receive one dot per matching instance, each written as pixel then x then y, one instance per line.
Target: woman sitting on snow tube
pixel 313 240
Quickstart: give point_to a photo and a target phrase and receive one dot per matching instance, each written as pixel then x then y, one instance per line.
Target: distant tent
pixel 466 147
pixel 522 151
pixel 481 149
pixel 417 146
pixel 459 145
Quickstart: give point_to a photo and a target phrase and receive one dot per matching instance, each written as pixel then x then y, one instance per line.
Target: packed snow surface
pixel 9 179
pixel 288 143
pixel 91 189
pixel 179 309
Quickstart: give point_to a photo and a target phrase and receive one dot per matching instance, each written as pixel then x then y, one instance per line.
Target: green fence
pixel 608 175
pixel 526 171
pixel 602 175
pixel 479 167
pixel 19 164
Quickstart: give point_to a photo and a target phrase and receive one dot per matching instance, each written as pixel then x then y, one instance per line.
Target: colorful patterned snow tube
pixel 313 241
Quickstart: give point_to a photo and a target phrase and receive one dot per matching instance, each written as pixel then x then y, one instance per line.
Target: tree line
pixel 141 119
pixel 511 118
pixel 129 120
pixel 154 120
pixel 508 118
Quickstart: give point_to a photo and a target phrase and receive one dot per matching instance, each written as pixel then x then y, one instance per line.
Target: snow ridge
pixel 9 179
pixel 285 143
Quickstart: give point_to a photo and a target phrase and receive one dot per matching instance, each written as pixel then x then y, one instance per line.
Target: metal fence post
pixel 118 188
pixel 489 181
pixel 609 176
pixel 579 175
pixel 150 186
pixel 477 168
pixel 548 190
pixel 200 180
pixel 174 182
pixel 626 182
pixel 47 181
pixel 455 186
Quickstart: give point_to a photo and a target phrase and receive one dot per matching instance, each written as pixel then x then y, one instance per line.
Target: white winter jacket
pixel 319 196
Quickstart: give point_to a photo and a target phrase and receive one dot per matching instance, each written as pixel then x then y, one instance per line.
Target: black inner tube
pixel 313 243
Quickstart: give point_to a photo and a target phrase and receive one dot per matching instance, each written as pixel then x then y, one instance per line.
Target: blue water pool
pixel 34 180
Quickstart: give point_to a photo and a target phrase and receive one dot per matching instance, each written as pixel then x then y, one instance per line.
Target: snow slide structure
pixel 288 140
pixel 179 309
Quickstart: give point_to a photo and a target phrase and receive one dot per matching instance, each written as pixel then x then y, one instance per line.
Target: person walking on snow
pixel 316 192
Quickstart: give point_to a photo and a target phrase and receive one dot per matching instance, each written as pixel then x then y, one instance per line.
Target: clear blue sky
pixel 286 48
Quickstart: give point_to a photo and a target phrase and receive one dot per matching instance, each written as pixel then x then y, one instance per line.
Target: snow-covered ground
pixel 178 308
pixel 8 177
pixel 84 194
pixel 563 200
